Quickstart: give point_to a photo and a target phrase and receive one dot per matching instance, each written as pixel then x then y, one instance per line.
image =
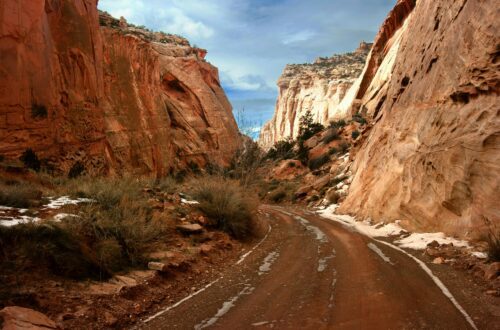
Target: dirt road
pixel 312 273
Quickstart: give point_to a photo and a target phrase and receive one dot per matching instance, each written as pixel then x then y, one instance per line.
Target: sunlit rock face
pixel 431 87
pixel 79 85
pixel 320 88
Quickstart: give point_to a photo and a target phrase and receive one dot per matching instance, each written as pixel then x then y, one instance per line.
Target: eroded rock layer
pixel 78 87
pixel 432 158
pixel 319 87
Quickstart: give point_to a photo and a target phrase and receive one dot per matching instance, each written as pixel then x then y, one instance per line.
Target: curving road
pixel 312 273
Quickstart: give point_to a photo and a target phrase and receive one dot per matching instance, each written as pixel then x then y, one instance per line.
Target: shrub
pixel 76 170
pixel 291 164
pixel 39 111
pixel 166 184
pixel 331 134
pixel 333 151
pixel 30 159
pixel 303 153
pixel 17 195
pixel 51 246
pixel 277 195
pixel 316 163
pixel 332 196
pixel 194 167
pixel 355 134
pixel 281 150
pixel 493 240
pixel 2 158
pixel 227 205
pixel 344 147
pixel 307 127
pixel 338 124
pixel 359 118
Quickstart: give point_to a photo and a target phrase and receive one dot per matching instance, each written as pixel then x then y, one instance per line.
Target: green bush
pixel 229 207
pixel 307 127
pixel 30 159
pixel 333 151
pixel 337 124
pixel 359 118
pixel 281 150
pixel 316 163
pixel 355 134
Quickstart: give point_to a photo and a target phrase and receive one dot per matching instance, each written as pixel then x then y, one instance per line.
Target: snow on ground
pixel 419 241
pixel 61 216
pixel 415 241
pixel 187 201
pixel 17 220
pixel 58 202
pixel 364 227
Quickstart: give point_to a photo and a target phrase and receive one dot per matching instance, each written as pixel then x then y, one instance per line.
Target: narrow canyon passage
pixel 311 273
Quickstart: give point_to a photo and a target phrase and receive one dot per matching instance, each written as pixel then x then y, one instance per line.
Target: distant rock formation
pixel 79 86
pixel 431 88
pixel 319 87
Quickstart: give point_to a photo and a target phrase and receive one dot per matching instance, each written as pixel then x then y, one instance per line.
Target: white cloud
pixel 177 22
pixel 299 36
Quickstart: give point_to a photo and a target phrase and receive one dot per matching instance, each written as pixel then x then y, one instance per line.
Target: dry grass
pixel 22 195
pixel 229 206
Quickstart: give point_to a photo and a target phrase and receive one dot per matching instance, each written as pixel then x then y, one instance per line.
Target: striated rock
pixel 320 87
pixel 18 318
pixel 79 86
pixel 432 155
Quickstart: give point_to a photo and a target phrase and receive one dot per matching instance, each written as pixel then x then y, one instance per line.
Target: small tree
pixel 307 126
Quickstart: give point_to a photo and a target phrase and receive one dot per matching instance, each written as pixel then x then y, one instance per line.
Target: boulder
pixel 191 228
pixel 19 318
pixel 159 266
pixel 321 182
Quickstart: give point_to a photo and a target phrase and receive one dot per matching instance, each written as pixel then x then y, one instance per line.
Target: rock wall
pixel 78 87
pixel 319 87
pixel 432 157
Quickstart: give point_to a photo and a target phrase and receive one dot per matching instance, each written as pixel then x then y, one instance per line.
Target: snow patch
pixel 480 255
pixel 226 306
pixel 419 241
pixel 13 221
pixel 319 235
pixel 58 202
pixel 268 261
pixel 379 252
pixel 61 216
pixel 187 201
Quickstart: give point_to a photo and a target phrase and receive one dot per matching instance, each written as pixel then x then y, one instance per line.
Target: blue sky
pixel 251 41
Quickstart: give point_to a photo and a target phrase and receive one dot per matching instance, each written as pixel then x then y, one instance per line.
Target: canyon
pixel 78 86
pixel 320 87
pixel 429 156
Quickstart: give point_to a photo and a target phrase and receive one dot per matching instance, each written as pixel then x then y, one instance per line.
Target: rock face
pixel 432 87
pixel 78 87
pixel 319 87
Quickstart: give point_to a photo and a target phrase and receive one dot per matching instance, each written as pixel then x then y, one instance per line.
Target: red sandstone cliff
pixel 117 98
pixel 432 87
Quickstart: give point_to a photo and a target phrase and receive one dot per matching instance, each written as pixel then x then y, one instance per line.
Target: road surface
pixel 313 273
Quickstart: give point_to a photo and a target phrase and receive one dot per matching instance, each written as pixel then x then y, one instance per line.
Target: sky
pixel 251 41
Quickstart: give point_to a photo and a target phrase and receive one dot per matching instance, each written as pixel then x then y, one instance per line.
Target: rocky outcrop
pixel 19 318
pixel 78 87
pixel 431 87
pixel 319 87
